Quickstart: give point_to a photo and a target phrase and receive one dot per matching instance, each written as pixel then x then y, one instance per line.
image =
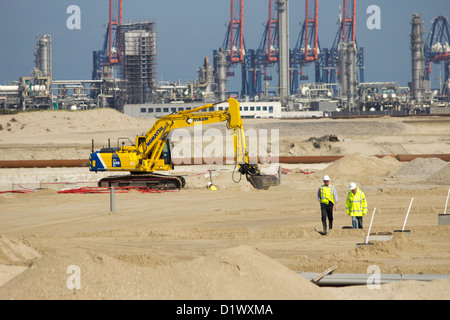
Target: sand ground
pixel 234 243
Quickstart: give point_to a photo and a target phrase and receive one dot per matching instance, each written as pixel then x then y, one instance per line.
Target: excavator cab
pixel 166 155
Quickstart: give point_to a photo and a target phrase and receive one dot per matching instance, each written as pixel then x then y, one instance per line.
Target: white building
pixel 270 109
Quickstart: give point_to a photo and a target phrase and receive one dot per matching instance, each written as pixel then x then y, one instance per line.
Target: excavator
pixel 151 152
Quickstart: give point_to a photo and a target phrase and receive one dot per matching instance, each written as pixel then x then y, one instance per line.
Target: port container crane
pixel 346 33
pixel 109 56
pixel 437 51
pixel 307 50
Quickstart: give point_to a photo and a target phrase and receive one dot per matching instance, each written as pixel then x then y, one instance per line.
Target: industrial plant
pixel 124 71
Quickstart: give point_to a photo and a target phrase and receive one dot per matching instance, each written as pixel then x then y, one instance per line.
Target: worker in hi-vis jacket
pixel 356 205
pixel 328 198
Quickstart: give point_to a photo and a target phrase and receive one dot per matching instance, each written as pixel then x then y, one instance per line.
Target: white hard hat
pixel 352 186
pixel 326 178
pixel 209 183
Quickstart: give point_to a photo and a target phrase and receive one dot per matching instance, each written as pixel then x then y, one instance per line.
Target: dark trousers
pixel 327 212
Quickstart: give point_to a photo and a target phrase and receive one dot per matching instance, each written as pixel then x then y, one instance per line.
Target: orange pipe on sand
pixel 289 160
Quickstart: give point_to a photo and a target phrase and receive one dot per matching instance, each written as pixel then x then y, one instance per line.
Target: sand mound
pixel 49 121
pixel 441 176
pixel 398 245
pixel 15 257
pixel 16 251
pixel 255 275
pixel 422 167
pixel 235 273
pixel 358 164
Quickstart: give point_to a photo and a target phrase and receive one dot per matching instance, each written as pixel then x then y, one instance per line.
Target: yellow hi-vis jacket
pixel 327 194
pixel 356 204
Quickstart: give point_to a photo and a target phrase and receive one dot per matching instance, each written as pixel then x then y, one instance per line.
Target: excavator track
pixel 149 180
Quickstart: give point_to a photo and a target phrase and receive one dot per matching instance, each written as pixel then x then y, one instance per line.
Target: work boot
pixel 324 232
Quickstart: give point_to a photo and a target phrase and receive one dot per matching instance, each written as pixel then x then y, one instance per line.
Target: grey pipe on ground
pixel 353 279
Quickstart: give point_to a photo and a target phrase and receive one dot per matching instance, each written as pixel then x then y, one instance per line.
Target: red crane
pixel 346 33
pixel 307 49
pixel 267 54
pixel 114 39
pixel 348 21
pixel 310 33
pixel 272 34
pixel 110 55
pixel 234 39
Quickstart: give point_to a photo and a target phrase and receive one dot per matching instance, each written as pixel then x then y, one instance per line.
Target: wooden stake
pixel 323 274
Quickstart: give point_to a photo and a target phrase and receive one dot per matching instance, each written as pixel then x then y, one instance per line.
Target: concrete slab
pixel 379 236
pixel 444 220
pixel 407 232
pixel 364 244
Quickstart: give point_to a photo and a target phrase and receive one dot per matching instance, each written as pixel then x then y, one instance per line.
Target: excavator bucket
pixel 263 181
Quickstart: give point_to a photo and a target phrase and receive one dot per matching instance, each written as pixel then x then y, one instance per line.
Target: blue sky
pixel 189 30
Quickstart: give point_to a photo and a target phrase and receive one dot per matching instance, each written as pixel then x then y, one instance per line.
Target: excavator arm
pixel 151 152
